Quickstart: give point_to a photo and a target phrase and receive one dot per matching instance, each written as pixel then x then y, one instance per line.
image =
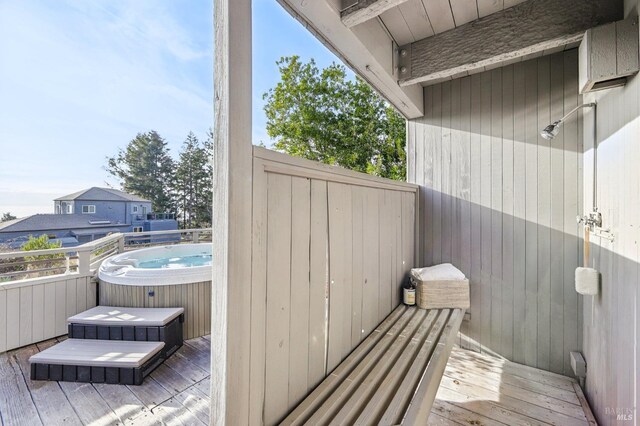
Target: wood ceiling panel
pixel 416 17
pixel 464 11
pixel 440 15
pixel 397 26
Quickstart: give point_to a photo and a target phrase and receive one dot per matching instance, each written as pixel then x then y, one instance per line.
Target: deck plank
pixel 476 388
pixel 16 405
pixel 50 401
pixel 88 404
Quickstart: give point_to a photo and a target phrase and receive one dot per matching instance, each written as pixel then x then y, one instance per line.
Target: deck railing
pixel 86 258
pixel 39 289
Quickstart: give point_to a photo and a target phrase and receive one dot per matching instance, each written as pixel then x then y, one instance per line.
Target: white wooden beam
pixel 363 10
pixel 367 49
pixel 528 28
pixel 232 158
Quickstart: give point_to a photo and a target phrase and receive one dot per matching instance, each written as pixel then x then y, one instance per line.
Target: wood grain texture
pixel 519 241
pixel 178 392
pixel 467 49
pixel 366 9
pixel 611 319
pixel 232 209
pixel 35 312
pixel 195 298
pixel 331 249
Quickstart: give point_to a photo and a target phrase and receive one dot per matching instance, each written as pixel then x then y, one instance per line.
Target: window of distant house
pixel 57 208
pixel 134 209
pixel 69 208
pixel 90 209
pixel 137 229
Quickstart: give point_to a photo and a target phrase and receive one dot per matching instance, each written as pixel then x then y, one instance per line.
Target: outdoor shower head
pixel 551 131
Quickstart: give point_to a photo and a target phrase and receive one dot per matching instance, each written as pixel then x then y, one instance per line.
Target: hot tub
pixel 166 276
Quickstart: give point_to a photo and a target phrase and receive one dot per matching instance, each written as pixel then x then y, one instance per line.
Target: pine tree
pixel 145 168
pixel 192 184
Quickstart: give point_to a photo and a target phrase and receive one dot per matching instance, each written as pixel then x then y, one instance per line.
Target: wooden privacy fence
pixel 40 289
pixel 331 248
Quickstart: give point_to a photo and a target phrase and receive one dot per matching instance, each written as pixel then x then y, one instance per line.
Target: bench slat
pixel 398 406
pixel 311 403
pixel 329 408
pixel 381 399
pixel 425 394
pixel 391 377
pixel 371 381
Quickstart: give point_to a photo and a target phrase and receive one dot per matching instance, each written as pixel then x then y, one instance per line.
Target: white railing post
pixel 84 262
pixel 121 244
pixel 195 237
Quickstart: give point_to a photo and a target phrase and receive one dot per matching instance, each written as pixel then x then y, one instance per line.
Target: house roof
pixel 45 222
pixel 101 194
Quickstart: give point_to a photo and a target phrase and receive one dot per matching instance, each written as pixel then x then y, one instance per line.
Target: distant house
pixel 87 215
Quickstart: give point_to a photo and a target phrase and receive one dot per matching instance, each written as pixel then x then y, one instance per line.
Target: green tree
pixel 192 184
pixel 41 243
pixel 323 115
pixel 7 217
pixel 145 168
pixel 54 262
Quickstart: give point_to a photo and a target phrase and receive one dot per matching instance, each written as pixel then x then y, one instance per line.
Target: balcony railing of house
pixel 39 289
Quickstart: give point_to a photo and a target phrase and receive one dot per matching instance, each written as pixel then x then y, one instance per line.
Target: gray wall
pixel 612 319
pixel 500 202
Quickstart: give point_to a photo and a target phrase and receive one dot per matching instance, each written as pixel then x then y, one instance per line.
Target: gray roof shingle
pixel 42 222
pixel 101 194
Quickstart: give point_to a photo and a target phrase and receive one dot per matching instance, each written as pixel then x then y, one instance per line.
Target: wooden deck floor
pixel 476 390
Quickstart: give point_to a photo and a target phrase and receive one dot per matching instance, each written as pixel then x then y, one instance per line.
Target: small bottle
pixel 409 293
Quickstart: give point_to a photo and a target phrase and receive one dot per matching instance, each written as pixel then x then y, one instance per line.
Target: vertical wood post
pixel 232 159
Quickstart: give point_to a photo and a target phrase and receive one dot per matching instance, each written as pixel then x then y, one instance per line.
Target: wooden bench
pixel 391 378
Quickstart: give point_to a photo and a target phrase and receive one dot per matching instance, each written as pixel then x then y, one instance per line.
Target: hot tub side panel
pixel 195 298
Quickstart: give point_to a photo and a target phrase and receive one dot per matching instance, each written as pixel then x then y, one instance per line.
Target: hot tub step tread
pixel 97 361
pixel 130 325
pixel 121 316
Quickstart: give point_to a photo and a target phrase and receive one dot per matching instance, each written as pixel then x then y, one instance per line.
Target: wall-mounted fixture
pixel 609 54
pixel 551 131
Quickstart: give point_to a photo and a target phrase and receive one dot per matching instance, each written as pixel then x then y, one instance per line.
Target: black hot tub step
pixel 97 361
pixel 130 324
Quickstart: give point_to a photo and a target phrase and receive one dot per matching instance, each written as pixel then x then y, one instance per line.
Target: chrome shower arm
pixel 567 115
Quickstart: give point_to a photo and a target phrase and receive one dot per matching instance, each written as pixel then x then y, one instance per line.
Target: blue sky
pixel 78 79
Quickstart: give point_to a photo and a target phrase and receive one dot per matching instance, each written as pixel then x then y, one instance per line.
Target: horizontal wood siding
pixel 499 202
pixel 32 313
pixel 195 298
pixel 330 254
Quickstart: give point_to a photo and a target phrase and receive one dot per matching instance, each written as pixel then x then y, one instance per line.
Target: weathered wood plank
pixel 299 324
pixel 497 188
pixel 365 10
pixel 507 311
pixel 49 400
pixel 531 213
pixel 371 287
pixel 318 284
pixel 464 49
pixel 276 399
pixel 485 211
pixel 475 289
pixel 232 207
pixel 16 405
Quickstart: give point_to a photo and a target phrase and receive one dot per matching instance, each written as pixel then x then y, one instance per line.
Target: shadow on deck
pixel 475 390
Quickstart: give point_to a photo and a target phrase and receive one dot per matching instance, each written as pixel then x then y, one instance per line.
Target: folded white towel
pixel 587 281
pixel 442 272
